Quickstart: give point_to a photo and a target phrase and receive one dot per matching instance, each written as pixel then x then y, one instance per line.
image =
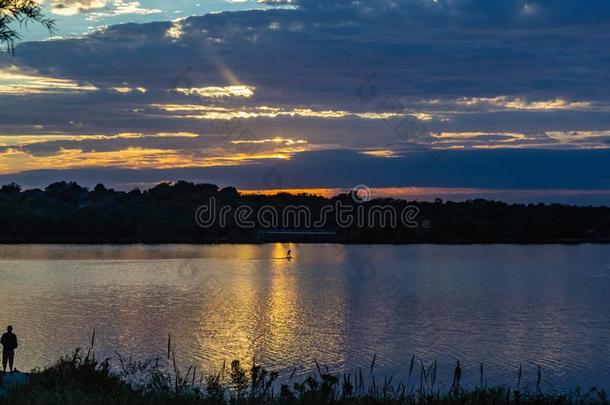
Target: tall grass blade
pixel 92 344
pixel 169 344
pixel 412 365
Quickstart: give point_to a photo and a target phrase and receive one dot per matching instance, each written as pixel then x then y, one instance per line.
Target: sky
pixel 454 99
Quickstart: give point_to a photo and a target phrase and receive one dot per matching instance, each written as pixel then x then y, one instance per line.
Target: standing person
pixel 9 344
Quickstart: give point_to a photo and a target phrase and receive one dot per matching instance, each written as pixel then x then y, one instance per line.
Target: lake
pixel 501 305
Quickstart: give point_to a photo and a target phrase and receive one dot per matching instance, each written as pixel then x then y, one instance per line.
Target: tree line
pixel 65 212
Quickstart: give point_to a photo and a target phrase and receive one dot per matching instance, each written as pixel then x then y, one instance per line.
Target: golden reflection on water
pixel 255 310
pixel 283 300
pixel 501 305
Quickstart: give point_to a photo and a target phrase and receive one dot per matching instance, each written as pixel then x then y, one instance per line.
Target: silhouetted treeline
pixel 68 213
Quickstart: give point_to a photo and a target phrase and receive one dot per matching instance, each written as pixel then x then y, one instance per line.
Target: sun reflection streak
pixel 283 300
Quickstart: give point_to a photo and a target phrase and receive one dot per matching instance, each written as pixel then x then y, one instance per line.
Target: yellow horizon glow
pixel 414 192
pixel 378 192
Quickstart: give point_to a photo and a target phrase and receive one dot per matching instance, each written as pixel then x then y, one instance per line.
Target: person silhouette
pixel 289 254
pixel 9 344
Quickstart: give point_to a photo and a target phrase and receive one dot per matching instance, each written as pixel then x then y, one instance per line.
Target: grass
pixel 82 379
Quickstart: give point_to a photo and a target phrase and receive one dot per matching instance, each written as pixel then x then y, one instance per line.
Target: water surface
pixel 340 305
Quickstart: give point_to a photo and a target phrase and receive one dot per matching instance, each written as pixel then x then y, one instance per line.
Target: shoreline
pixel 77 379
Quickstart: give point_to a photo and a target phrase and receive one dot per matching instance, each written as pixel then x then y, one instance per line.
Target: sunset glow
pixel 152 91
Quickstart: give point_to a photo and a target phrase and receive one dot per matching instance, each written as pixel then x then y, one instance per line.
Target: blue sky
pixel 78 17
pixel 449 94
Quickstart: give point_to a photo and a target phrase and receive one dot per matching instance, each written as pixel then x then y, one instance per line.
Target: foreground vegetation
pixel 20 13
pixel 81 379
pixel 68 213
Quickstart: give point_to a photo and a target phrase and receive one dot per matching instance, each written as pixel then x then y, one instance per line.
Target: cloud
pixel 203 112
pixel 73 7
pixel 137 151
pixel 520 104
pixel 120 7
pixel 217 92
pixel 468 12
pixel 175 31
pixel 376 78
pixel 99 8
pixel 126 89
pixel 279 2
pixel 19 81
pixel 571 170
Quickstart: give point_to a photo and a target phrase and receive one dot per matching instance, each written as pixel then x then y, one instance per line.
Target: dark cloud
pixel 464 12
pixel 512 73
pixel 507 169
pixel 319 54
